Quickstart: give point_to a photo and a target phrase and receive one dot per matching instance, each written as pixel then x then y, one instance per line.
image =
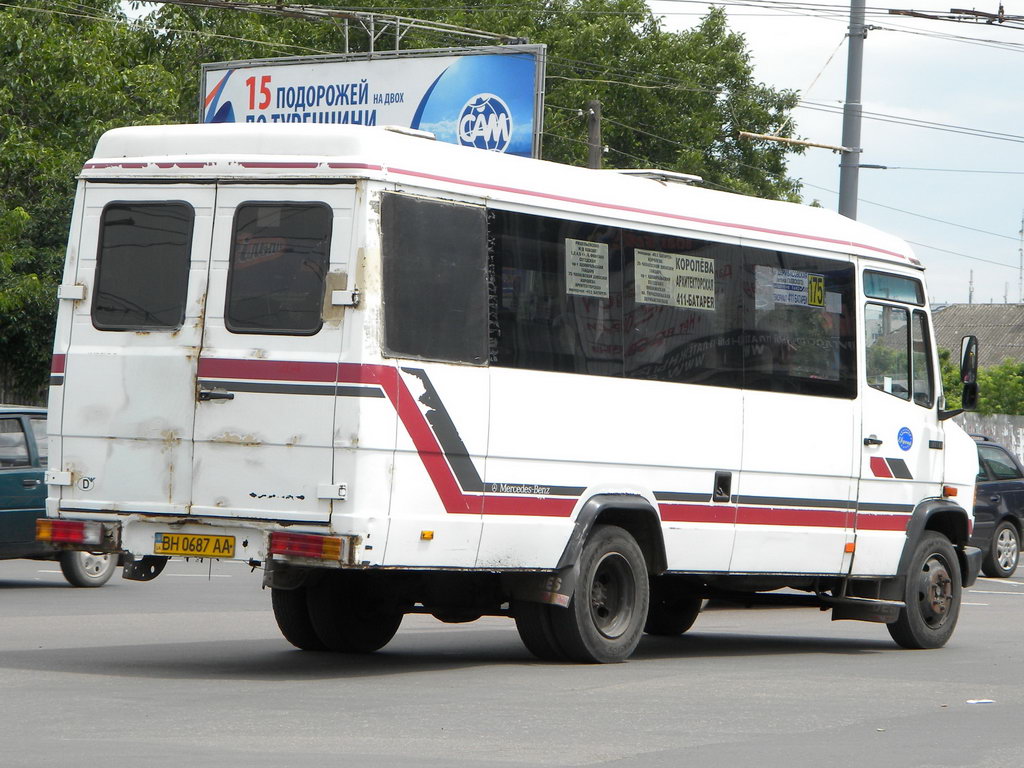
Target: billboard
pixel 488 97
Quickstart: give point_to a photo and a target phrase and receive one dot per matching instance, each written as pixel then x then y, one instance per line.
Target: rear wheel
pixel 533 621
pixel 348 619
pixel 1003 551
pixel 606 616
pixel 293 620
pixel 670 615
pixel 932 595
pixel 86 569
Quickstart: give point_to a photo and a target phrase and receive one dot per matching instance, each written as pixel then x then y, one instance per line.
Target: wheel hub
pixel 1006 550
pixel 937 591
pixel 611 594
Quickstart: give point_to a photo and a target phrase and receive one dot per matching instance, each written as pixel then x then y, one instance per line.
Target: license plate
pixel 194 545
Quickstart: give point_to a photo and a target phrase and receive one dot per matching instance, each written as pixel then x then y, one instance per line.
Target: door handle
pixel 872 440
pixel 994 499
pixel 30 482
pixel 205 394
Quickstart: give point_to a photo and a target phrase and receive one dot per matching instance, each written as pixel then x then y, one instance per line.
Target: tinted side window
pixel 435 279
pixel 999 465
pixel 800 333
pixel 279 260
pixel 558 294
pixel 142 266
pixel 881 285
pixel 683 310
pixel 13 447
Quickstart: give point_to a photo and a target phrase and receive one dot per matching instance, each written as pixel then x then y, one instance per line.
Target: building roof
pixel 999 328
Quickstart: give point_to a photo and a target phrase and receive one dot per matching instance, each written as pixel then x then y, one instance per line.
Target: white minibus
pixel 401 376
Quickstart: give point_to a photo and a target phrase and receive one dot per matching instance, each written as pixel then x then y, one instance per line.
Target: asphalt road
pixel 189 670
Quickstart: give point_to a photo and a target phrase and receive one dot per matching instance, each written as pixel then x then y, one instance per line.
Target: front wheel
pixel 606 616
pixel 1003 551
pixel 932 595
pixel 86 569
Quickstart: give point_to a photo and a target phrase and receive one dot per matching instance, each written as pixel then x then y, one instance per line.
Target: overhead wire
pixel 661 81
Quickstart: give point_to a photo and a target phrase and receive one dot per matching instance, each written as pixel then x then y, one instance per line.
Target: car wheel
pixel 533 622
pixel 669 615
pixel 292 615
pixel 348 620
pixel 606 616
pixel 87 569
pixel 1003 551
pixel 932 595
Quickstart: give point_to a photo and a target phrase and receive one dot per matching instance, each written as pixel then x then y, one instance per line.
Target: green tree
pixel 64 79
pixel 1001 388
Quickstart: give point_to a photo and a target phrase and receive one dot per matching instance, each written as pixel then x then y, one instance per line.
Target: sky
pixel 962 216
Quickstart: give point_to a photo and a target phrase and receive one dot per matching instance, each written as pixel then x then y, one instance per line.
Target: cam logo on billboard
pixel 485 123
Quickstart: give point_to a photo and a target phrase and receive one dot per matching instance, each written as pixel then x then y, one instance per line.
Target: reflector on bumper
pixel 307 545
pixel 84 532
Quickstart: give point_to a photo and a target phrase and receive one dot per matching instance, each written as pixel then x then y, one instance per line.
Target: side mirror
pixel 969 372
pixel 968 376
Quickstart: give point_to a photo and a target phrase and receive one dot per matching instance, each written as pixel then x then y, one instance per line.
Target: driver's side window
pixel 887 345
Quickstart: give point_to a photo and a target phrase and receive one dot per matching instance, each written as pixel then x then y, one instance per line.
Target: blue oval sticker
pixel 905 438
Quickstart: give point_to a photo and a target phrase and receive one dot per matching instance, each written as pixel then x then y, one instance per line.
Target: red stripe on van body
pixel 456 501
pixel 818 518
pixel 879 467
pixel 57 363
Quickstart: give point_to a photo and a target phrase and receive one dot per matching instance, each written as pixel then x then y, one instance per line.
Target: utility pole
pixel 970 289
pixel 1020 256
pixel 850 162
pixel 593 134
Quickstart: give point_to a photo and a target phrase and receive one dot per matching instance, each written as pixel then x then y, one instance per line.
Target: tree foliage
pixel 1000 387
pixel 670 100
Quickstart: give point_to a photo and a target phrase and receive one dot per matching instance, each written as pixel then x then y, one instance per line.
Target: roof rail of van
pixel 410 132
pixel 657 174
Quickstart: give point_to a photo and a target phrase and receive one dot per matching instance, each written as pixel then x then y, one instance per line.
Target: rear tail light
pixel 69 531
pixel 306 545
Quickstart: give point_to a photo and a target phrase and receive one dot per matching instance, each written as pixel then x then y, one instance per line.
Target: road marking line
pixel 992 592
pixel 1005 582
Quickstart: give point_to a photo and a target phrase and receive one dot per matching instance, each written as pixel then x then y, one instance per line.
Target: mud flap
pixel 549 588
pixel 146 568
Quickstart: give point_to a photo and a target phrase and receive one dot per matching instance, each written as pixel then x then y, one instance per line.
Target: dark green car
pixel 23 499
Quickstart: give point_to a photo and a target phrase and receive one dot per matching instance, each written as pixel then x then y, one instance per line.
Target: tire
pixel 85 569
pixel 932 595
pixel 1003 551
pixel 670 615
pixel 606 616
pixel 349 620
pixel 292 615
pixel 533 622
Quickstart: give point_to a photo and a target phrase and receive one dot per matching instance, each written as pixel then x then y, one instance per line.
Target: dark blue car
pixel 998 508
pixel 23 499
